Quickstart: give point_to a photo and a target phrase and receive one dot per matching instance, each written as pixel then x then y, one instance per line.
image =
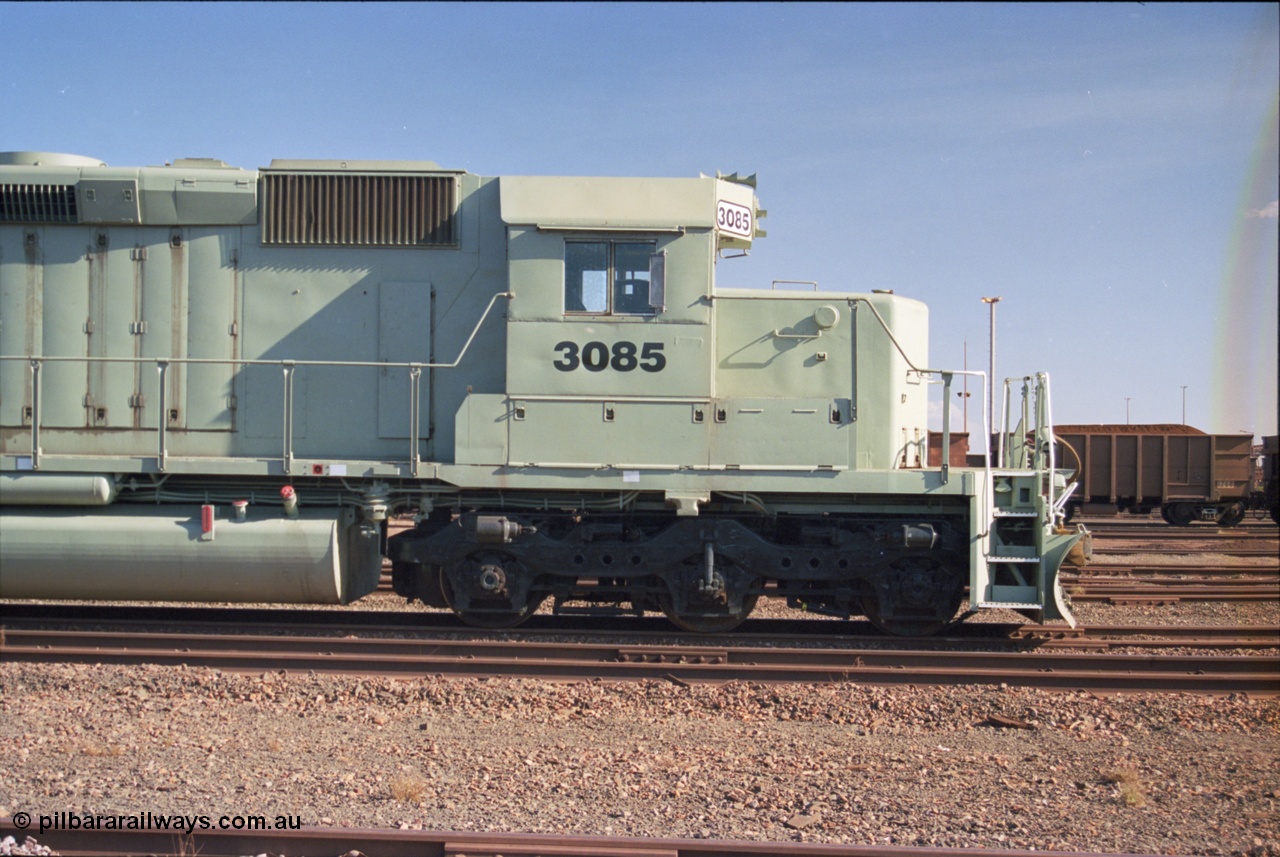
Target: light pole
pixel 1126 409
pixel 1184 404
pixel 991 384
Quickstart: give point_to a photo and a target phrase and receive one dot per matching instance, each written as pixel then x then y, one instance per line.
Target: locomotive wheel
pixel 1233 515
pixel 711 620
pixel 905 627
pixel 915 584
pixel 707 624
pixel 501 616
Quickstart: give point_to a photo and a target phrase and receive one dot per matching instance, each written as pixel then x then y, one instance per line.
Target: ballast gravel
pixel 981 767
pixel 975 767
pixel 29 847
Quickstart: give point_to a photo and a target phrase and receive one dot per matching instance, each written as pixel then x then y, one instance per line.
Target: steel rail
pixel 1197 529
pixel 682 664
pixel 1168 534
pixel 758 632
pixel 1106 549
pixel 1160 529
pixel 1117 569
pixel 1173 590
pixel 1108 637
pixel 448 843
pixel 1185 581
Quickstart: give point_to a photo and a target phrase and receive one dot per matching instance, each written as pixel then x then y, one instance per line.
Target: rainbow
pixel 1244 379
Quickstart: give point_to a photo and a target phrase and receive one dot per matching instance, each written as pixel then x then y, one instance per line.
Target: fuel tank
pixel 188 553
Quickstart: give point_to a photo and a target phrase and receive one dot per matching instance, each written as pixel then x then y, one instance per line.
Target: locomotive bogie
pixel 704 572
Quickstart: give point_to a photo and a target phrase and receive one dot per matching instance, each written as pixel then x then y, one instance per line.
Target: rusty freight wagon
pixel 1187 474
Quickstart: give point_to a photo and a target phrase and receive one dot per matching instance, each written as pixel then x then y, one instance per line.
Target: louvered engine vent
pixel 358 210
pixel 38 203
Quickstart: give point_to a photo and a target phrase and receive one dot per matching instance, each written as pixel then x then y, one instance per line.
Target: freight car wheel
pixel 1179 514
pixel 1232 516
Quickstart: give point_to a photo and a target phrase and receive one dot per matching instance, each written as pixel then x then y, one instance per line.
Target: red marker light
pixel 290 499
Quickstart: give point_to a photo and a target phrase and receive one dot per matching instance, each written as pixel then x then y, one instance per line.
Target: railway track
pixel 1142 529
pixel 1251 539
pixel 1171 589
pixel 806 631
pixel 1234 579
pixel 710 662
pixel 419 843
pixel 1105 548
pixel 817 649
pixel 1097 570
pixel 1138 528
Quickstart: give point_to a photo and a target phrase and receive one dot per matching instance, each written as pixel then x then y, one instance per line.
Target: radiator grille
pixel 358 210
pixel 38 203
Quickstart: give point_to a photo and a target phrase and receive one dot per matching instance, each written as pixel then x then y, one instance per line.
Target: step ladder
pixel 1022 539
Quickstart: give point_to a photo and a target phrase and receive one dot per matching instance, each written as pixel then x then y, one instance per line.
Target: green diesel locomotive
pixel 218 384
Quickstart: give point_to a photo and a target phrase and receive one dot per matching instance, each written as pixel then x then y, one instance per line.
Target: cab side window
pixel 607 277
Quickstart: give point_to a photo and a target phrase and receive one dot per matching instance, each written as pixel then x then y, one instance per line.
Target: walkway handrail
pixel 288 367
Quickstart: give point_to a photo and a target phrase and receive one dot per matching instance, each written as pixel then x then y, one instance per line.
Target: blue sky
pixel 1109 170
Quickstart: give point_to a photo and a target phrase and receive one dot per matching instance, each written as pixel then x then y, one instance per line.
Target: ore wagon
pixel 1185 473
